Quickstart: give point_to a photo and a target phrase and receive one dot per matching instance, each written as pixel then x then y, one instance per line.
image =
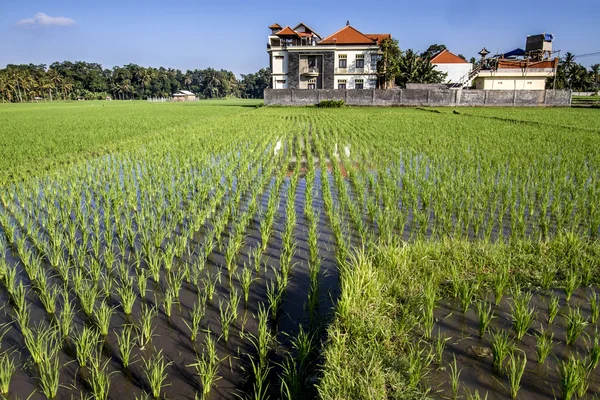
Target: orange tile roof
pixel 275 26
pixel 379 37
pixel 446 57
pixel 287 31
pixel 348 35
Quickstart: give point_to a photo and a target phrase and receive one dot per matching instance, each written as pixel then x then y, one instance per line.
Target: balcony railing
pixel 310 71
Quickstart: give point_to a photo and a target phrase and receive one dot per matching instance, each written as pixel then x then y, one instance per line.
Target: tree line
pixel 574 76
pixel 73 80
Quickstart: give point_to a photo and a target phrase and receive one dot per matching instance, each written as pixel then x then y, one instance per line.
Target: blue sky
pixel 189 34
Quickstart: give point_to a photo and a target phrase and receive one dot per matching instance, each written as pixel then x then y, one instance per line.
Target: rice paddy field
pixel 220 250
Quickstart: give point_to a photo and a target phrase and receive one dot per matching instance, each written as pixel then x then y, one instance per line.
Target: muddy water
pixel 171 335
pixel 473 354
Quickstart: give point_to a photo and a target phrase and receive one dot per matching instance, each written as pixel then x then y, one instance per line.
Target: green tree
pixel 388 66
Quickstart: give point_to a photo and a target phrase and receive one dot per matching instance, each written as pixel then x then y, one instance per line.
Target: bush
pixel 331 104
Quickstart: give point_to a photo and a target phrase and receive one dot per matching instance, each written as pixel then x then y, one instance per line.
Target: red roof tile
pixel 446 57
pixel 275 26
pixel 287 31
pixel 379 37
pixel 348 35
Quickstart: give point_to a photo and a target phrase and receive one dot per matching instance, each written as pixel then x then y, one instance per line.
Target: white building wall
pixel 369 81
pixel 351 62
pixel 280 66
pixel 456 72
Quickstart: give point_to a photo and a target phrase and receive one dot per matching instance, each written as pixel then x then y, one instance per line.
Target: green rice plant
pixel 207 365
pixel 501 348
pixel 594 300
pixel 500 283
pixel 155 370
pixel 85 343
pixel 571 283
pixel 142 281
pixel 127 296
pixel 245 280
pixel 196 315
pixel 466 293
pixel 103 315
pixel 125 343
pixel 572 376
pixel 430 298
pixel 42 341
pixel 87 298
pixel 438 347
pixel 553 308
pixel 548 274
pixel 485 314
pixel 210 287
pixel 48 297
pixel 475 395
pixel 168 299
pixel 515 370
pixel 575 324
pixel 594 353
pixel 7 369
pixel 260 386
pixel 144 327
pixel 66 316
pixel 49 370
pixel 522 315
pixel 274 296
pixel 454 377
pixel 99 379
pixel 419 360
pixel 544 345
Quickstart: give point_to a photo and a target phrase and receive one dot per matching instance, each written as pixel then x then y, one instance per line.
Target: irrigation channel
pixel 209 268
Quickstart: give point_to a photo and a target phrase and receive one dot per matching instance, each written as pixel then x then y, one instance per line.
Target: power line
pixel 588 55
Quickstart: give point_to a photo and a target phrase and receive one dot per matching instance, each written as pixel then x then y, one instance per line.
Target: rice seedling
pixel 515 370
pixel 245 279
pixel 553 308
pixel 125 344
pixel 466 293
pixel 454 377
pixel 419 360
pixel 522 314
pixel 85 343
pixel 49 370
pixel 594 300
pixel 144 327
pixel 66 316
pixel 501 347
pixel 207 366
pixel 500 283
pixel 572 377
pixel 571 283
pixel 575 324
pixel 548 275
pixel 594 353
pixel 168 299
pixel 196 315
pixel 439 345
pixel 544 345
pixel 103 315
pixel 99 379
pixel 155 370
pixel 485 314
pixel 127 296
pixel 7 369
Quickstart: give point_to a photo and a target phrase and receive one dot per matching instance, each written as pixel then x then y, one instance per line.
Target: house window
pixel 341 84
pixel 374 60
pixel 343 63
pixel 279 57
pixel 360 61
pixel 359 84
pixel 373 83
pixel 312 83
pixel 282 82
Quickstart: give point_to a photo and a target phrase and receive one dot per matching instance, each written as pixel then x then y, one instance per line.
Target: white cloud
pixel 41 19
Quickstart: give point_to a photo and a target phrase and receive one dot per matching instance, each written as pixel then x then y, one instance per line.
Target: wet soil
pixel 474 359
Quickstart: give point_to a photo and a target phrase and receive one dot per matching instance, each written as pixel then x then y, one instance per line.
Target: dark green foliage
pixel 331 104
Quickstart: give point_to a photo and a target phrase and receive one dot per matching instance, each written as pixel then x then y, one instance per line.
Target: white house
pixel 458 69
pixel 301 59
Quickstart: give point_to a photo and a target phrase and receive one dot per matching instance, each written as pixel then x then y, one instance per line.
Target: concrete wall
pixel 421 97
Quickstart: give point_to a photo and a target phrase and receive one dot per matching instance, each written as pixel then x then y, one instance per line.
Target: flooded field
pixel 297 253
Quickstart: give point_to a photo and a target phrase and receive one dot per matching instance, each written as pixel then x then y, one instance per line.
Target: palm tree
pixel 212 83
pixel 595 73
pixel 55 78
pixel 6 88
pixel 47 84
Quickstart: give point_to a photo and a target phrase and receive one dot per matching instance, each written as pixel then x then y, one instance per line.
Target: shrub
pixel 331 104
